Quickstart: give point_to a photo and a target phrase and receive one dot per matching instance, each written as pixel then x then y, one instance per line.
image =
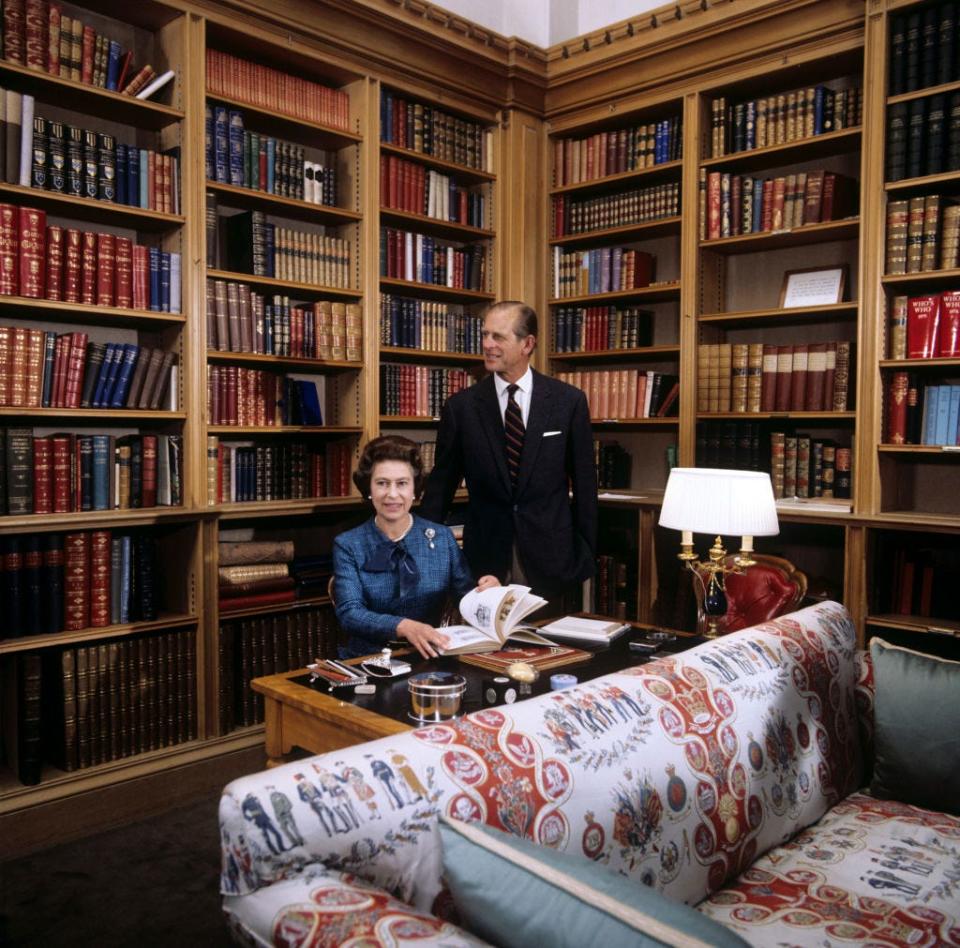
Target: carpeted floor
pixel 151 883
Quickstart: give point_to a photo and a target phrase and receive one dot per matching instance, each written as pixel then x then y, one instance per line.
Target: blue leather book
pixel 943 435
pixel 126 563
pixel 144 559
pixel 85 452
pixel 49 349
pixel 208 148
pixel 164 281
pixel 144 199
pixel 101 472
pixel 118 395
pixel 235 147
pixel 271 165
pixel 931 398
pixel 757 205
pixel 116 571
pixel 123 174
pixel 155 279
pixel 108 359
pixel 953 421
pixel 819 94
pixel 133 176
pixel 110 385
pixel 310 402
pixel 113 65
pixel 221 145
pixel 270 248
pixel 268 329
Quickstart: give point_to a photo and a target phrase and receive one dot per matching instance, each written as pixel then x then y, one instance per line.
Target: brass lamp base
pixel 714 588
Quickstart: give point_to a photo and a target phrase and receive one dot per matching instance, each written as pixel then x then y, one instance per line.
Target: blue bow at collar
pixel 395 558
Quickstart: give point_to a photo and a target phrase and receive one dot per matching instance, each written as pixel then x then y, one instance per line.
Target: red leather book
pixel 32 227
pixel 19 343
pixel 838 393
pixel 816 371
pixel 713 205
pixel 148 482
pixel 14 31
pixel 213 395
pixel 61 350
pixel 6 345
pixel 54 276
pixel 261 599
pixel 896 432
pixel 9 247
pixel 35 33
pixel 88 267
pixel 86 56
pixel 100 578
pixel 813 197
pixel 923 326
pixel 152 180
pixel 141 277
pixel 829 377
pixel 36 344
pixel 42 475
pixel 106 268
pixel 228 399
pixel 72 264
pixel 123 273
pixel 62 470
pixel 53 39
pixel 784 378
pixel 75 364
pixel 76 581
pixel 949 336
pixel 798 377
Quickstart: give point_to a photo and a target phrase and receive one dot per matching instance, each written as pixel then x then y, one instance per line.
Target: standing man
pixel 522 440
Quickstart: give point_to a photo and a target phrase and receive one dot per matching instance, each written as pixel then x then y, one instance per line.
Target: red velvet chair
pixel 771 588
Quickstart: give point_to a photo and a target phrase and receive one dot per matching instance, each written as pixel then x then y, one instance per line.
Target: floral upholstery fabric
pixel 680 773
pixel 871 871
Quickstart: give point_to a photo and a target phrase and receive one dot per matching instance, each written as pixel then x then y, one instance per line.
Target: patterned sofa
pixel 725 777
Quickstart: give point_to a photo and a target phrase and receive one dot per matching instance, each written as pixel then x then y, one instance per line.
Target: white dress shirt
pixel 522 397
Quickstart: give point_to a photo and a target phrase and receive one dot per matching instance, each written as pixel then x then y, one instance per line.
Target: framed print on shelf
pixel 813 286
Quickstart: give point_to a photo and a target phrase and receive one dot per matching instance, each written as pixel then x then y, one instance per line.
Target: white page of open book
pixel 491 615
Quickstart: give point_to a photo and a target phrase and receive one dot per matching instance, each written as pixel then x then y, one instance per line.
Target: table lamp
pixel 721 503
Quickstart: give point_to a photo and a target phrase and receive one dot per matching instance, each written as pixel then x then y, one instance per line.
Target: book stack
pixel 918 413
pixel 41 369
pixel 576 160
pixel 601 270
pixel 801 466
pixel 56 582
pixel 242 471
pixel 625 394
pixel 418 390
pixel 276 91
pixel 601 328
pixel 267 645
pixel 421 259
pixel 636 206
pixel 755 377
pixel 923 137
pixel 40 36
pixel 408 186
pixel 612 594
pixel 64 264
pixel 923 233
pixel 65 473
pixel 424 128
pixel 256 398
pixel 735 445
pixel 247 159
pixel 922 580
pixel 239 319
pixel 739 204
pixel 427 326
pixel 613 465
pixel 254 572
pixel 785 117
pixel 922 48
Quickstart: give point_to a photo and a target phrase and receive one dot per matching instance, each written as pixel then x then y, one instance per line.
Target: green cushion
pixel 510 891
pixel 916 728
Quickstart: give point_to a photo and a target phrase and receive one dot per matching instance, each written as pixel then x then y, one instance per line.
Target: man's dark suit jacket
pixel 556 537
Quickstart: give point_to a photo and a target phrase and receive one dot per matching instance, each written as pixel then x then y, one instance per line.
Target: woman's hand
pixel 427 640
pixel 487 582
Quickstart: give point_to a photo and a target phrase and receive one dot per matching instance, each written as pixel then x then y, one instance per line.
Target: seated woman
pixel 394 573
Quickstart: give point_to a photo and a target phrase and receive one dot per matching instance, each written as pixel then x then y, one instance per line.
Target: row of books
pixel 801 466
pixel 732 204
pixel 923 137
pixel 67 472
pixel 636 206
pixel 923 48
pixel 613 594
pixel 45 370
pixel 51 262
pixel 408 186
pixel 921 582
pixel 267 645
pixel 252 397
pixel 782 118
pixel 239 319
pixel 416 257
pixel 759 377
pixel 601 270
pixel 39 35
pixel 921 414
pixel 923 233
pixel 576 160
pixel 56 582
pixel 241 471
pixel 275 91
pixel 925 327
pixel 249 159
pixel 418 390
pixel 601 328
pixel 423 128
pixel 624 394
pixel 428 326
pixel 613 463
pixel 256 246
pixel 736 445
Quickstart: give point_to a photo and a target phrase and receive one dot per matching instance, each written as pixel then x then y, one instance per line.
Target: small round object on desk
pixel 559 682
pixel 499 690
pixel 365 690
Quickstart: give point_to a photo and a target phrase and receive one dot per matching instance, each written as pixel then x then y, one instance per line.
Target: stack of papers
pixel 585 630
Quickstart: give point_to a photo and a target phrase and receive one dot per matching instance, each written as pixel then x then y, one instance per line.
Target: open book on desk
pixel 493 616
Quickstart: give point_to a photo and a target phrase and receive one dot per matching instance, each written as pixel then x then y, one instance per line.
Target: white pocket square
pixel 550 434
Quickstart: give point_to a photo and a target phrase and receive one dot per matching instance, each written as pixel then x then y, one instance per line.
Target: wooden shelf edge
pixel 437 223
pixel 28 643
pixel 333 131
pixel 624 177
pixel 779 313
pixel 272 607
pixel 410 353
pixel 442 164
pixel 666 290
pixel 787 148
pixel 662 225
pixel 914 623
pixel 96 519
pixel 262 358
pixel 313 289
pixel 302 207
pixel 642 352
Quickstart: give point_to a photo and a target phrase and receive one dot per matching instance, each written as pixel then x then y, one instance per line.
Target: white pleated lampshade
pixel 719 502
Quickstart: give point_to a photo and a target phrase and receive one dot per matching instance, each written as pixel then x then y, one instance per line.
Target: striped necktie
pixel 513 424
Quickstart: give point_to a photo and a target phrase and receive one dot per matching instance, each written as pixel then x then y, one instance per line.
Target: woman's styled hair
pixel 389 448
